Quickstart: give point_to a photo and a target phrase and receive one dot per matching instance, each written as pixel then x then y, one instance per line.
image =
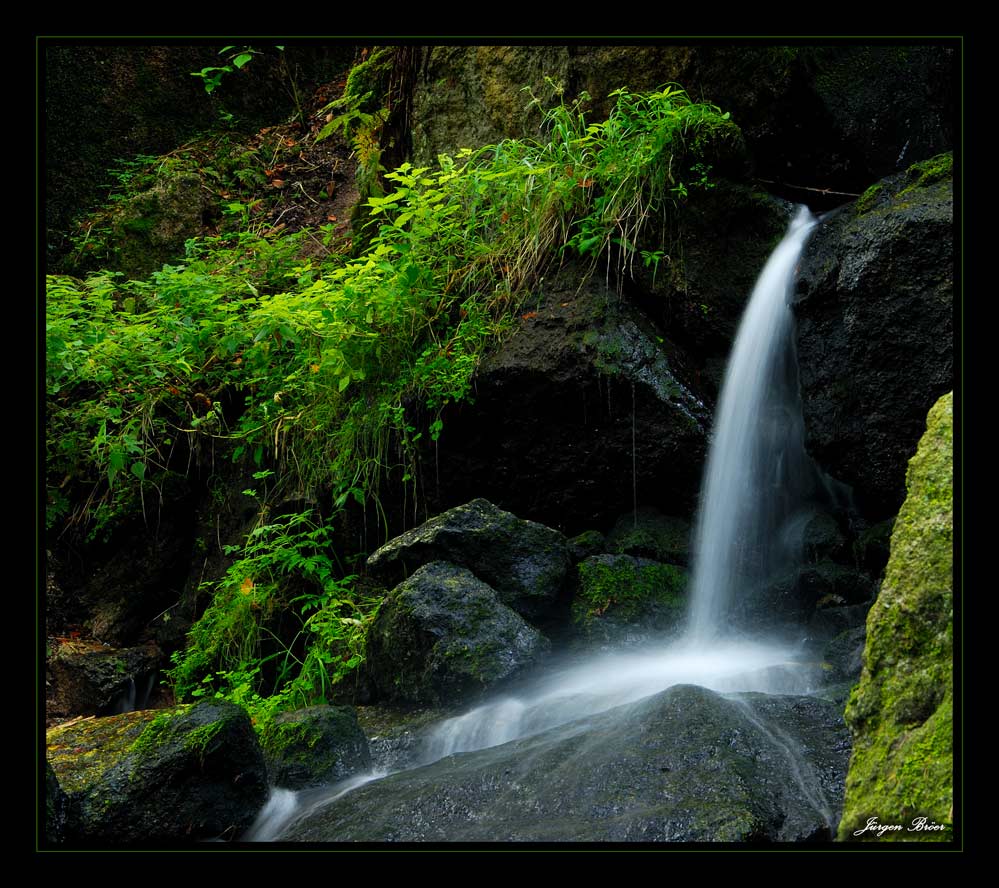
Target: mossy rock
pixel 901 712
pixel 314 746
pixel 621 597
pixel 193 772
pixel 151 227
pixel 443 635
pixel 649 533
pixel 525 562
pixel 586 544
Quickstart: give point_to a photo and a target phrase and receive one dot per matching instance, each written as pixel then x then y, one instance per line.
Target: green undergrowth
pixel 330 373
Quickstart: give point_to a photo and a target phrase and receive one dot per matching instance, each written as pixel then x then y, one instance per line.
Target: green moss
pixel 928 172
pixel 901 712
pixel 367 81
pixel 868 198
pixel 154 734
pixel 198 740
pixel 626 587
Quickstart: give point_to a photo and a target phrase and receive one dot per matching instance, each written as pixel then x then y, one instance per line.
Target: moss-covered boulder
pixel 621 598
pixel 443 635
pixel 901 713
pixel 314 746
pixel 189 773
pixel 875 336
pixel 525 562
pixel 648 533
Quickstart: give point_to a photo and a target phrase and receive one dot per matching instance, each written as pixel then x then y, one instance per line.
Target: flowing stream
pixel 749 529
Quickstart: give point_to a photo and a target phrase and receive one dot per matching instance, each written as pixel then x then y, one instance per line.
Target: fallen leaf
pixel 277 183
pixel 246 587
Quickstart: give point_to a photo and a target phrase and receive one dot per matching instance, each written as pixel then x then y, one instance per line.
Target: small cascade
pixel 758 478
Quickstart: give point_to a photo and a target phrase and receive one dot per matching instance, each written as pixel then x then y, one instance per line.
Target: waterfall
pixel 750 522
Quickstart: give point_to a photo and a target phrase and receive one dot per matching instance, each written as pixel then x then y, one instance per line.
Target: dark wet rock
pixel 875 334
pixel 90 679
pixel 626 600
pixel 55 807
pixel 396 735
pixel 823 539
pixel 443 634
pixel 649 533
pixel 584 404
pixel 845 653
pixel 160 776
pixel 139 578
pixel 523 561
pixel 796 596
pixel 684 765
pixel 828 622
pixel 873 546
pixel 314 746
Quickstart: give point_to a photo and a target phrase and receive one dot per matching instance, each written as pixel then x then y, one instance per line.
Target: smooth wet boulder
pixel 902 711
pixel 523 561
pixel 623 599
pixel 443 635
pixel 194 772
pixel 686 765
pixel 314 746
pixel 874 313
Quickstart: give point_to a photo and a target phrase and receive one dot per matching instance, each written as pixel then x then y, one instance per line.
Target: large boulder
pixel 523 561
pixel 194 772
pixel 584 407
pixel 443 634
pixel 315 746
pixel 875 332
pixel 686 765
pixel 901 713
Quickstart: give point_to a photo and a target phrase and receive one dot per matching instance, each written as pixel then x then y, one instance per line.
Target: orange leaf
pixel 246 587
pixel 277 183
pixel 529 316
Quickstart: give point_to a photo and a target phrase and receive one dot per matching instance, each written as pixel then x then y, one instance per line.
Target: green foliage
pixel 335 368
pixel 234 652
pixel 236 59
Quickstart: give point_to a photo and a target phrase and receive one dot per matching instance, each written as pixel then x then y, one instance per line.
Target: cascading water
pixel 758 474
pixel 749 528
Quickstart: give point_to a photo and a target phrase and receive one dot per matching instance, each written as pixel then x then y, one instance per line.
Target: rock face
pixel 580 407
pixel 830 116
pixel 901 713
pixel 524 562
pixel 315 746
pixel 684 765
pixel 875 334
pixel 158 777
pixel 443 635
